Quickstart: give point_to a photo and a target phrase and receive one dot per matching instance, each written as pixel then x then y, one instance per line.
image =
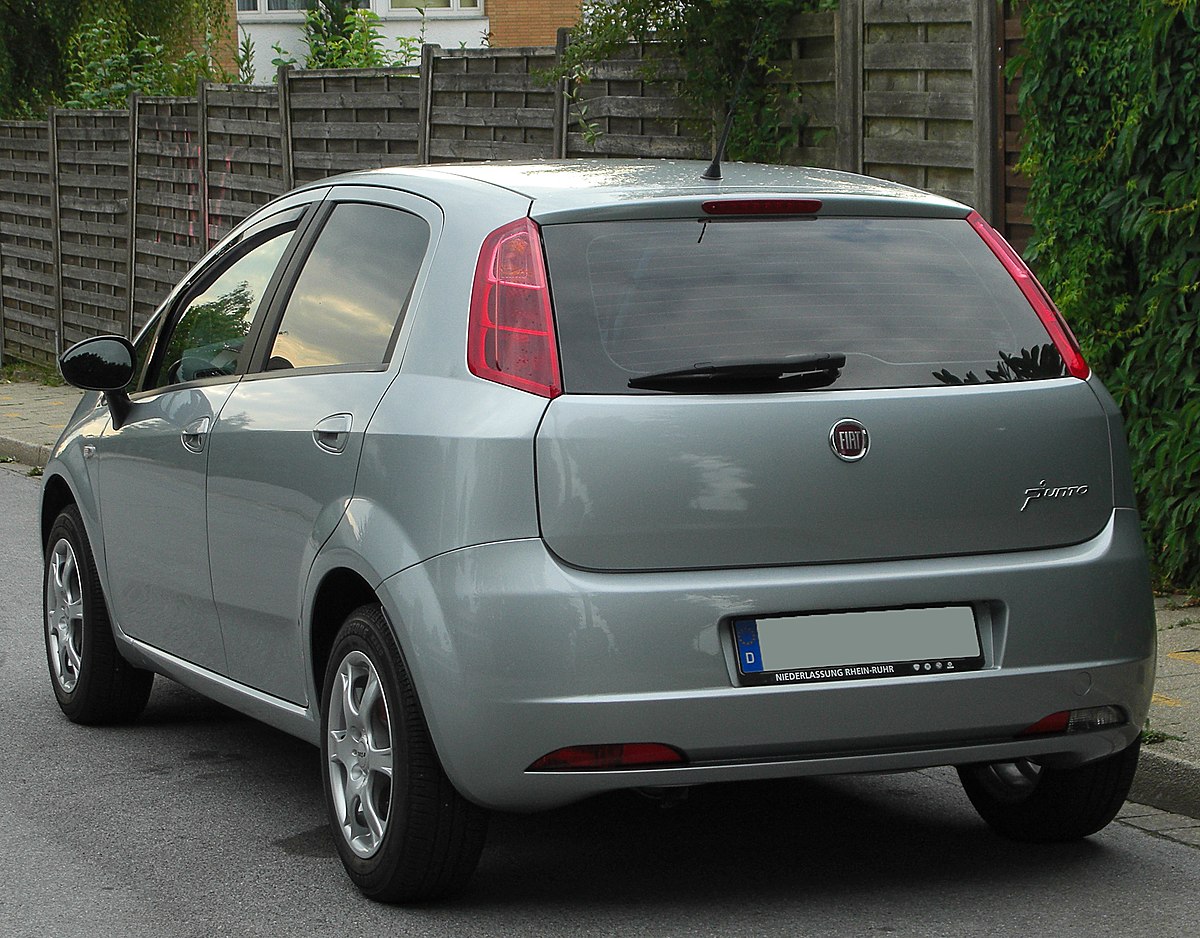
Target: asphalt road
pixel 196 821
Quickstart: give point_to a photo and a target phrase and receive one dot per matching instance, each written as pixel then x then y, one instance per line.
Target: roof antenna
pixel 713 173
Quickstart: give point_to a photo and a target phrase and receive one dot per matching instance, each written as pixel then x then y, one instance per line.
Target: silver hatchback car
pixel 511 484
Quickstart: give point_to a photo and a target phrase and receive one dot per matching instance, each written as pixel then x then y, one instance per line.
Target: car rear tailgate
pixel 702 481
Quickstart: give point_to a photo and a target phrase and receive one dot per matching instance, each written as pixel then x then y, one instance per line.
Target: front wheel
pixel 1039 804
pixel 92 682
pixel 403 831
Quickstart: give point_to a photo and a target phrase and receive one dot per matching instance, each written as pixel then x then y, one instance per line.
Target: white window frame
pixel 382 8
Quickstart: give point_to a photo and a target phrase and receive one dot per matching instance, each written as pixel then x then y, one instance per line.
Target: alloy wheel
pixel 360 754
pixel 64 614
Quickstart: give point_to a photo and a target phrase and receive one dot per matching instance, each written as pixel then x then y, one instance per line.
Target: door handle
pixel 332 433
pixel 194 434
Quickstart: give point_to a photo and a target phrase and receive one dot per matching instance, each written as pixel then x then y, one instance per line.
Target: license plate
pixel 853 646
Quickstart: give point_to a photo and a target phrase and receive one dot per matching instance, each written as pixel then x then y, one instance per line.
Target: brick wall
pixel 529 22
pixel 225 47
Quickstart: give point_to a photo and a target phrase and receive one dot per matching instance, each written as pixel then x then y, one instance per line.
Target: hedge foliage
pixel 1110 94
pixel 92 53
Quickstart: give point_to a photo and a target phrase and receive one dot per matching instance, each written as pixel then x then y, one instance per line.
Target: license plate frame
pixel 856 645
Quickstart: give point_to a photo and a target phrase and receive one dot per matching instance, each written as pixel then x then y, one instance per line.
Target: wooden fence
pixel 91 158
pixel 166 216
pixel 28 250
pixel 102 211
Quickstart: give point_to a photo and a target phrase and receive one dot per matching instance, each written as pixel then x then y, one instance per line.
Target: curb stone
pixel 1167 782
pixel 28 454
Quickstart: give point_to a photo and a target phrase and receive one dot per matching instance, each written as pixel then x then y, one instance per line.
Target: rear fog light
pixel 608 756
pixel 1076 721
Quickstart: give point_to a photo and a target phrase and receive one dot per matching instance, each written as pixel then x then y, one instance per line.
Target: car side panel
pixel 155 533
pixel 446 464
pixel 69 462
pixel 274 497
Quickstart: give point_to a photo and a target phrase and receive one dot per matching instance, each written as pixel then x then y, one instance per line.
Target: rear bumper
pixel 515 655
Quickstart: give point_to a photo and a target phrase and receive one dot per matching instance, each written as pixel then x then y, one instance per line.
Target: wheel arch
pixel 340 592
pixel 56 495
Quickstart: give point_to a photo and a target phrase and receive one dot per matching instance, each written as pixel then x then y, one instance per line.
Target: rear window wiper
pixel 788 372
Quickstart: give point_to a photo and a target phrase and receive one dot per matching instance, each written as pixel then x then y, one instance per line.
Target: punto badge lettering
pixel 1041 490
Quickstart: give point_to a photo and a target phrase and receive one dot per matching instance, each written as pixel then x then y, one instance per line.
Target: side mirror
pixel 102 363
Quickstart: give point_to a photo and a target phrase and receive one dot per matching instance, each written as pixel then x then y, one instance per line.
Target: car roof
pixel 568 187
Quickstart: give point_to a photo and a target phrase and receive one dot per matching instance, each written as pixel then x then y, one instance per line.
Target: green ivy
pixel 1111 99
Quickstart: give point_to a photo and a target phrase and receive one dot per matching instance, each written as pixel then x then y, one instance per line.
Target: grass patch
pixel 36 374
pixel 1152 736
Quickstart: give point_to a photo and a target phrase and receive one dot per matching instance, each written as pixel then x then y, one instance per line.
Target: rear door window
pixel 347 302
pixel 911 302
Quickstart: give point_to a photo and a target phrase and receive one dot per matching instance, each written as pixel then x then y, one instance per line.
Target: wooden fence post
pixel 988 83
pixel 428 57
pixel 56 227
pixel 285 127
pixel 848 68
pixel 561 101
pixel 3 324
pixel 133 211
pixel 202 130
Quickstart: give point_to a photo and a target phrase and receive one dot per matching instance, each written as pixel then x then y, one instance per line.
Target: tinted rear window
pixel 911 302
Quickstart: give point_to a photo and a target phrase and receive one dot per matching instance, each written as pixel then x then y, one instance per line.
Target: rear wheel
pixel 92 682
pixel 1039 804
pixel 402 830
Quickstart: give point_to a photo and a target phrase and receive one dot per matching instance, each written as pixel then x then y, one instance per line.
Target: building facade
pixel 449 23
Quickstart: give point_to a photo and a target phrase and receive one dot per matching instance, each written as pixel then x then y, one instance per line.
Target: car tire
pixel 1040 804
pixel 93 683
pixel 403 831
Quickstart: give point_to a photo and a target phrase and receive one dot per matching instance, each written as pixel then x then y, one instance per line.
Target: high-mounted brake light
pixel 761 206
pixel 1060 333
pixel 510 336
pixel 608 756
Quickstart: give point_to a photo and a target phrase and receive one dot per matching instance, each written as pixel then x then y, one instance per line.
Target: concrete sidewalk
pixel 31 418
pixel 1169 771
pixel 32 415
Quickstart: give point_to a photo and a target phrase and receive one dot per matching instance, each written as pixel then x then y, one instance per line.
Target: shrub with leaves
pixel 338 36
pixel 716 43
pixel 1111 98
pixel 46 45
pixel 107 61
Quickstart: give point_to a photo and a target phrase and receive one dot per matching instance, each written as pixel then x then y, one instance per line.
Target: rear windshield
pixel 910 302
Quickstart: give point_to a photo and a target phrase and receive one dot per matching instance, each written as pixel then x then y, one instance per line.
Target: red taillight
pixel 608 756
pixel 1054 723
pixel 761 206
pixel 1077 721
pixel 1060 333
pixel 510 338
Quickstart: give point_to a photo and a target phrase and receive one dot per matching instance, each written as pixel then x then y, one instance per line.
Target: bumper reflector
pixel 1095 718
pixel 608 756
pixel 1076 721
